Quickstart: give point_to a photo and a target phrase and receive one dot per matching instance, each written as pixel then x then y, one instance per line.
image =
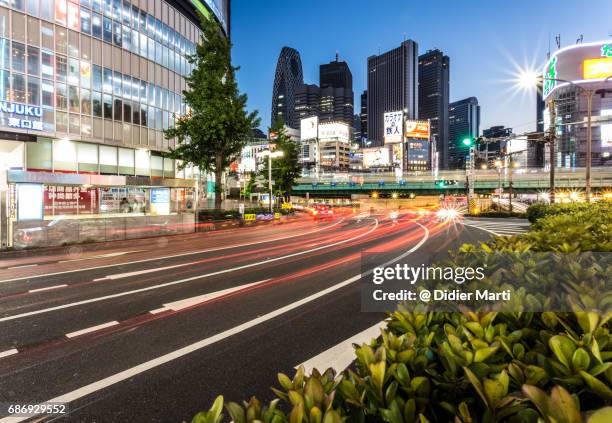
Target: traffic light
pixel 442 183
pixel 468 142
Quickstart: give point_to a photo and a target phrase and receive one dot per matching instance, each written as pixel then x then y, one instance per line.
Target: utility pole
pixel 551 142
pixel 589 146
pixel 510 166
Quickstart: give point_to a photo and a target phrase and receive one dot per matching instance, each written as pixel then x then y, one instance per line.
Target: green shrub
pixel 539 210
pixel 469 367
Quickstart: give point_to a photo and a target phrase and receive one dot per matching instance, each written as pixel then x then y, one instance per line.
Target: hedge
pixel 471 367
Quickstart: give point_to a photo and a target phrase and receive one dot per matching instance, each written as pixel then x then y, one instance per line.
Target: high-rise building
pixel 434 69
pixel 392 86
pixel 357 129
pixel 495 145
pixel 364 117
pixel 287 79
pixel 464 122
pixel 105 127
pixel 336 82
pixel 307 101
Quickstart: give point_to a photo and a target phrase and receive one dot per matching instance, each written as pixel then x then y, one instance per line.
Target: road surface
pixel 152 330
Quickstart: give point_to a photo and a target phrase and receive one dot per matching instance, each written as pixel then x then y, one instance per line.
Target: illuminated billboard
pixel 334 131
pixel 218 7
pixel 376 157
pixel 393 127
pixel 597 68
pixel 417 129
pixel 581 64
pixel 309 128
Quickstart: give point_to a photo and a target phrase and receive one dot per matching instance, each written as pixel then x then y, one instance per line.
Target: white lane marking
pixel 340 356
pixel 117 254
pixel 8 352
pixel 126 374
pixel 180 281
pixel 188 302
pixel 158 361
pixel 173 255
pixel 499 231
pixel 48 288
pixel 91 329
pixel 23 266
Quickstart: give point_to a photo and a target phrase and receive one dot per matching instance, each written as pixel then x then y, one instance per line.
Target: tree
pixel 286 169
pixel 216 126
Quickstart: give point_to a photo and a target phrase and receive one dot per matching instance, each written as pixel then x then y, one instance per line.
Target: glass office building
pixel 87 88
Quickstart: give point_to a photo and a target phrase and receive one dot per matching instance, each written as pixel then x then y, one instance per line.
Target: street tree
pixel 216 125
pixel 285 169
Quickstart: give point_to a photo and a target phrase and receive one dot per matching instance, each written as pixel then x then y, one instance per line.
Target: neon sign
pixel 25 111
pixel 606 50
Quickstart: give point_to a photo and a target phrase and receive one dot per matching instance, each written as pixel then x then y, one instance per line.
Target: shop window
pixel 85 21
pixel 108 106
pixel 73 16
pixel 61 122
pixel 18 85
pixel 87 157
pixel 46 10
pixel 5 86
pixel 73 71
pixel 4 22
pixel 117 81
pixel 74 124
pixel 65 155
pixel 33 61
pixel 74 99
pixel 61 68
pixel 157 166
pixel 126 161
pixel 61 97
pixel 117 34
pixel 85 101
pixel 47 93
pixel 143 164
pixel 61 12
pixel 168 168
pixel 33 91
pixel 85 74
pixel 32 7
pixel 38 155
pixel 18 57
pixel 33 31
pixel 5 53
pixel 61 40
pixel 96 101
pixel 18 27
pixel 96 25
pixel 118 109
pixel 47 64
pixel 108 159
pixel 73 44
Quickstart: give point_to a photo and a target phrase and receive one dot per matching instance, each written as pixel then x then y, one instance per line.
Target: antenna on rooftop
pixel 558 40
pixel 579 40
pixel 337 54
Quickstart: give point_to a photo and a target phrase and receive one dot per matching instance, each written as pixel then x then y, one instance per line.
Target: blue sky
pixel 487 41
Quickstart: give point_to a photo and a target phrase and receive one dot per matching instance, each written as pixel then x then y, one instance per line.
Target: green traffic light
pixel 467 141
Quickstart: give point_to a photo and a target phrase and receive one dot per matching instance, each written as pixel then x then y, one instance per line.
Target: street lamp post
pixel 271 155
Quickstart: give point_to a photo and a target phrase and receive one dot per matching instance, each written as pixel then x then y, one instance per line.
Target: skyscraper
pixel 434 68
pixel 307 101
pixel 364 117
pixel 464 122
pixel 336 82
pixel 287 79
pixel 392 86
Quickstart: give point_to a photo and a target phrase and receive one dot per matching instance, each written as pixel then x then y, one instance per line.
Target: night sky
pixel 488 41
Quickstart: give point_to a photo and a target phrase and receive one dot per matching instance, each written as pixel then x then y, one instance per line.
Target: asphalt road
pixel 152 330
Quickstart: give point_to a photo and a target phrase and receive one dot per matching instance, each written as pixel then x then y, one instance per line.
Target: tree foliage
pixel 216 126
pixel 286 169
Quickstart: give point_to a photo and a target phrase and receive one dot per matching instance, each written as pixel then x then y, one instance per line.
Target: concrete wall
pixel 46 233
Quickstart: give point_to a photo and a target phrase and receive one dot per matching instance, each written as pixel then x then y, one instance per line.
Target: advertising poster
pixel 393 127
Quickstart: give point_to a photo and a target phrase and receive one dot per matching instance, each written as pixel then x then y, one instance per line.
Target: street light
pixel 271 155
